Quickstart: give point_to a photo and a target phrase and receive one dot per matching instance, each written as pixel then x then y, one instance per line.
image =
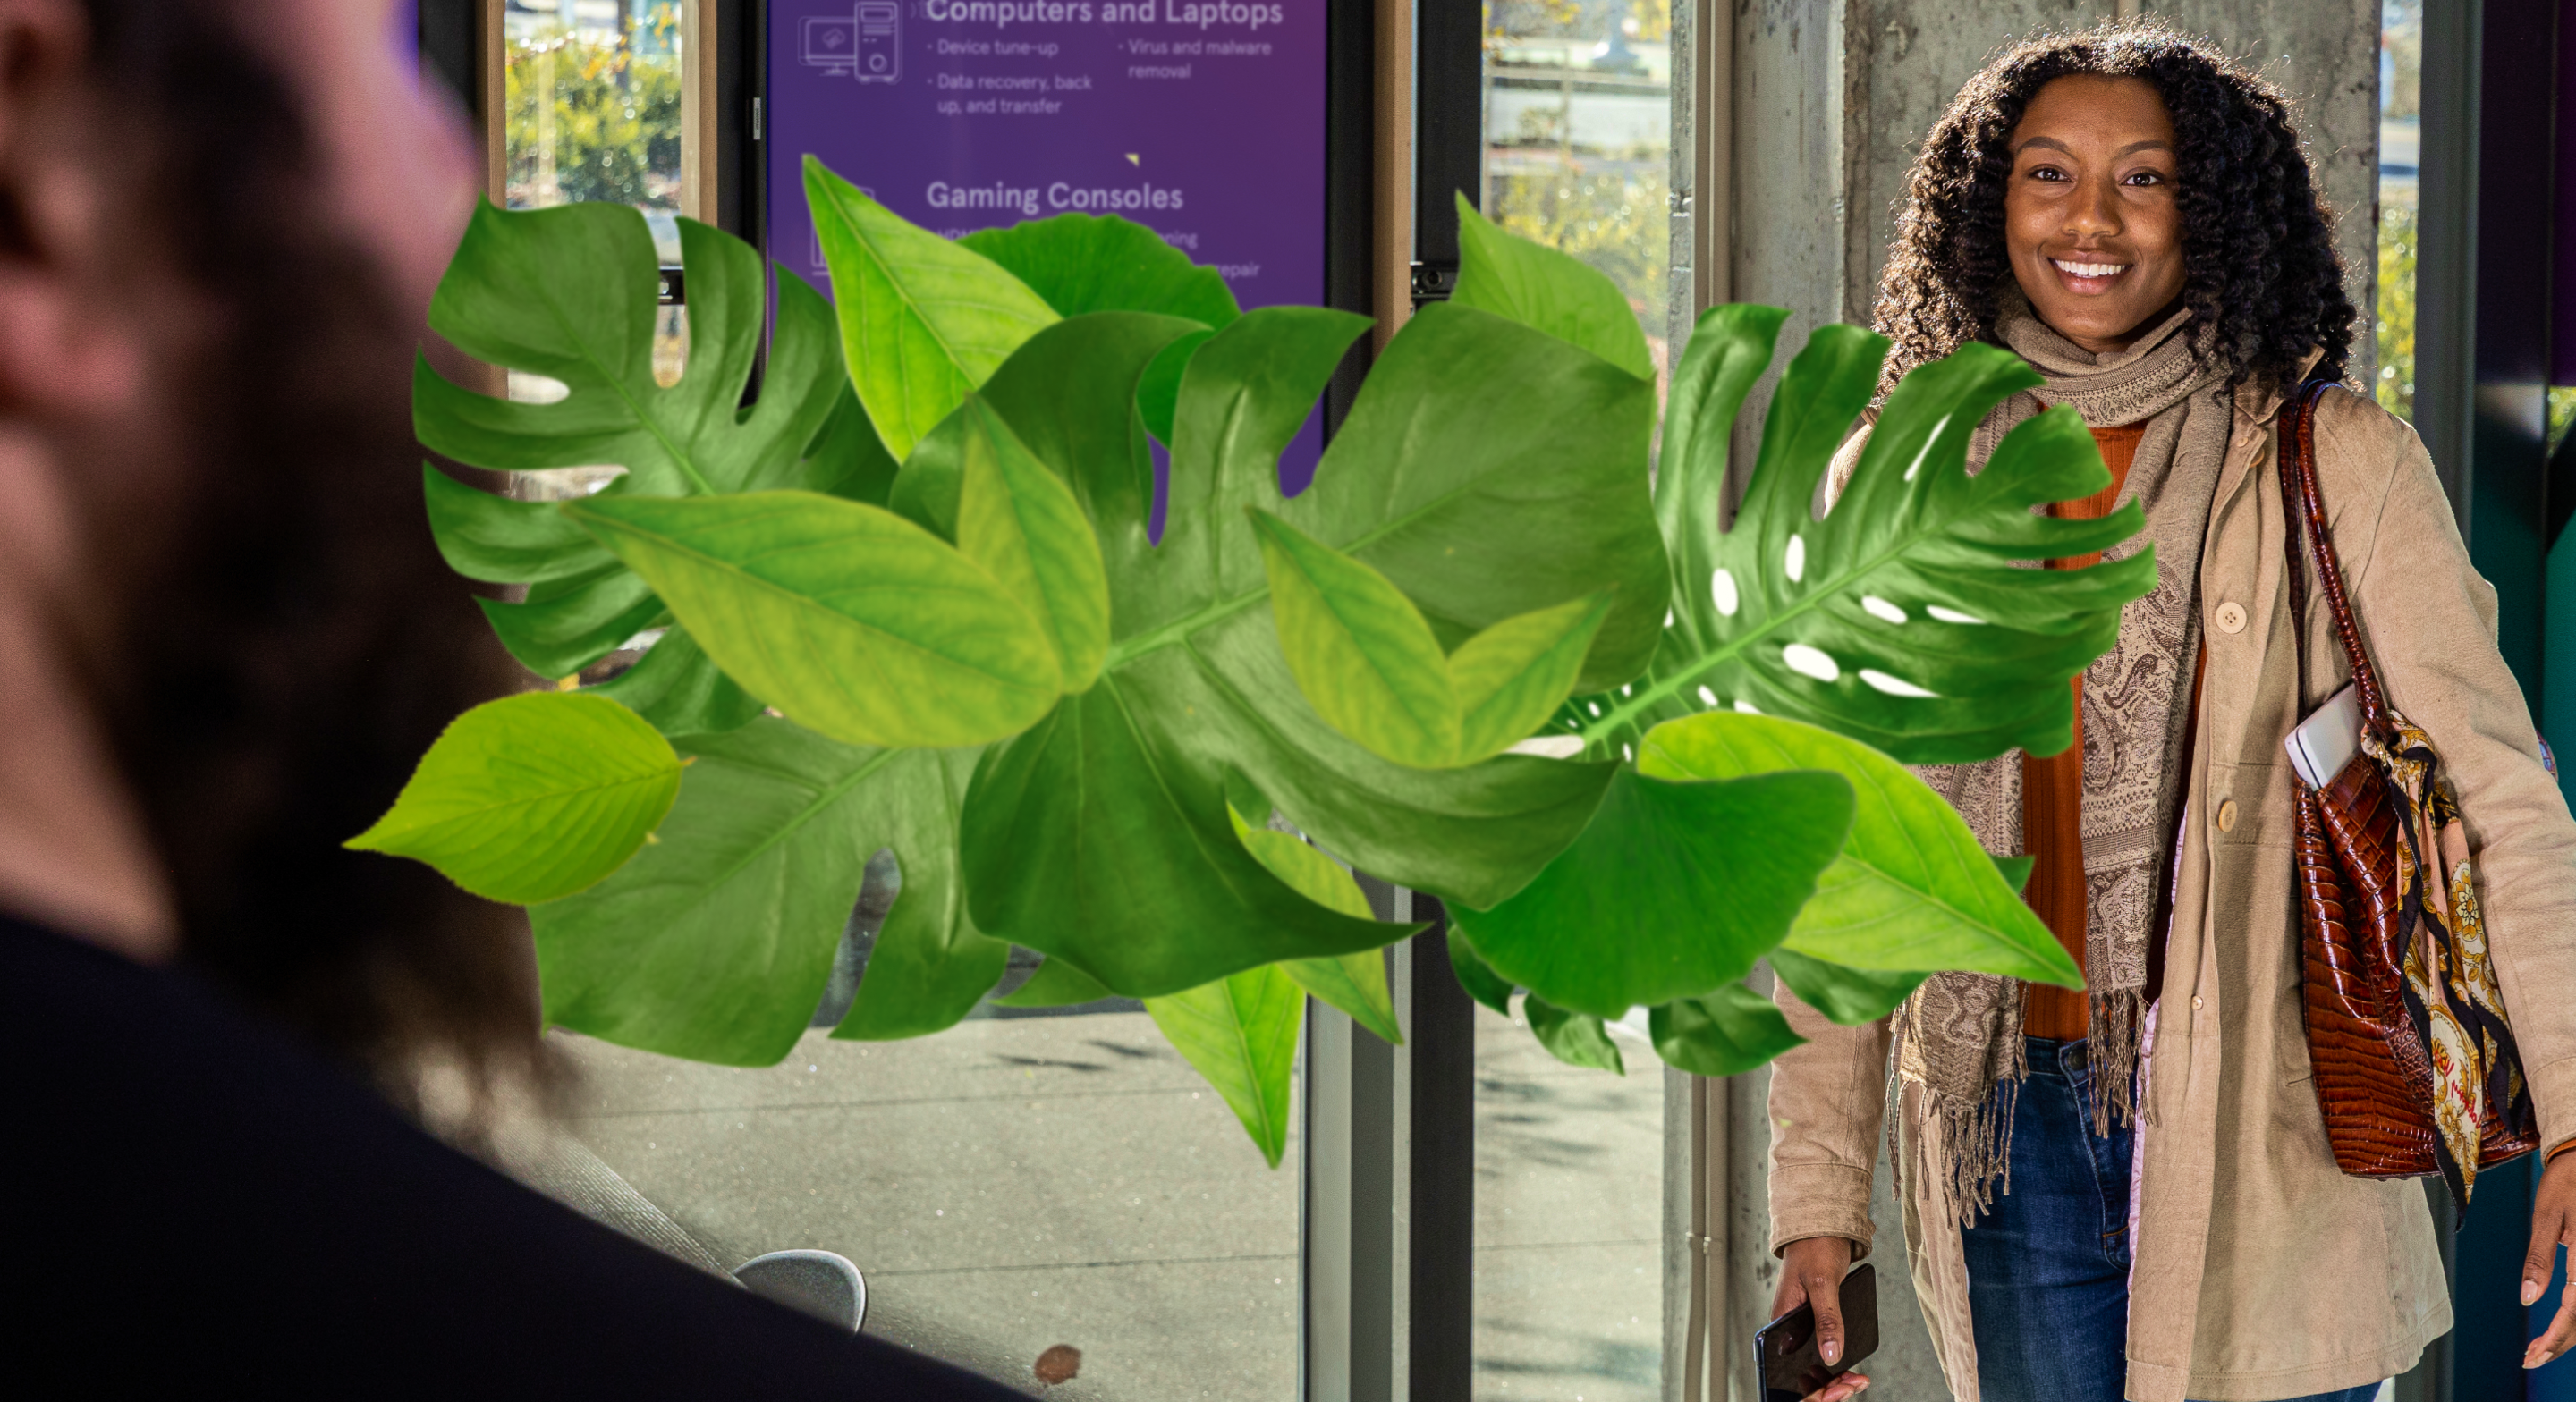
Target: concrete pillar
pixel 1826 102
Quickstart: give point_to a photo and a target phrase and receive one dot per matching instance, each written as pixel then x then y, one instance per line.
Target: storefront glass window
pixel 1569 1161
pixel 2401 131
pixel 593 114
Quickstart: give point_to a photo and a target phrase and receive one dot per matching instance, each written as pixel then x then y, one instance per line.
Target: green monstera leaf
pixel 715 942
pixel 1726 1032
pixel 1911 890
pixel 679 691
pixel 1541 287
pixel 1789 615
pixel 1900 619
pixel 1084 263
pixel 1699 878
pixel 572 294
pixel 1196 685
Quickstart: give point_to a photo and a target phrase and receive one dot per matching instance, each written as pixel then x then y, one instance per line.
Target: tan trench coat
pixel 2260 1271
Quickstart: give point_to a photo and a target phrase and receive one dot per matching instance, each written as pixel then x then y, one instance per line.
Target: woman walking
pixel 2129 1192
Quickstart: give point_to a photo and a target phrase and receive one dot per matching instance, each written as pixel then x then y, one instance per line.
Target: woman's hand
pixel 1812 1272
pixel 2553 1220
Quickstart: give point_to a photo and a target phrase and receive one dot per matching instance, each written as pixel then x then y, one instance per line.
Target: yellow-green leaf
pixel 1241 1034
pixel 854 622
pixel 1512 677
pixel 1021 523
pixel 923 320
pixel 1362 653
pixel 532 797
pixel 1354 983
pixel 1911 890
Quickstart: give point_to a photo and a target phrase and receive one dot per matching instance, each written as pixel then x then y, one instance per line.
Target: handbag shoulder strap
pixel 2305 508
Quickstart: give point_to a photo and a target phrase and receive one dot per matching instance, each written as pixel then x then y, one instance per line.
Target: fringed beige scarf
pixel 1959 1038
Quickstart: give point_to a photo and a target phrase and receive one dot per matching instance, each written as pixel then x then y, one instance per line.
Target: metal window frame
pixel 2481 359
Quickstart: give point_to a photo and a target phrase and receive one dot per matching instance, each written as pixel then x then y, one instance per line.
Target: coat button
pixel 2231 617
pixel 2227 816
pixel 2195 1002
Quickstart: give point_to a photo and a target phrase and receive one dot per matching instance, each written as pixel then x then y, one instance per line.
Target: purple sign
pixel 1201 119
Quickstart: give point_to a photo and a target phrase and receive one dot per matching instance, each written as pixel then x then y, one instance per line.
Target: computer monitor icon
pixel 866 44
pixel 832 44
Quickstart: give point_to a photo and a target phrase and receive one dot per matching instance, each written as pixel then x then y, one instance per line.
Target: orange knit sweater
pixel 2052 792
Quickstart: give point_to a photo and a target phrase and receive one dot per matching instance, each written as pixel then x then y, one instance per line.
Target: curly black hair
pixel 2260 272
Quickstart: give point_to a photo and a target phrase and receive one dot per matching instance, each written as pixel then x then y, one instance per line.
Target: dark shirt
pixel 194 1202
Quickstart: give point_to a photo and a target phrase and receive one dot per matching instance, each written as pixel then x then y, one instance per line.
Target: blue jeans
pixel 2048 1266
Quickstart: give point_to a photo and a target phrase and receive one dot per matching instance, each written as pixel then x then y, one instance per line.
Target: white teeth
pixel 2090 269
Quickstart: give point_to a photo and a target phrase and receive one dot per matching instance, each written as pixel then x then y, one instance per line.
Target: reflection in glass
pixel 1569 1219
pixel 1016 1183
pixel 2401 139
pixel 1569 1162
pixel 593 115
pixel 594 103
pixel 1578 138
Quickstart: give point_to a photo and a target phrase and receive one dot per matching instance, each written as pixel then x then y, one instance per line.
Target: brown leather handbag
pixel 2416 1067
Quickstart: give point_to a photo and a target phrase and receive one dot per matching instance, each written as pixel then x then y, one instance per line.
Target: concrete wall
pixel 1828 101
pixel 1903 60
pixel 1832 98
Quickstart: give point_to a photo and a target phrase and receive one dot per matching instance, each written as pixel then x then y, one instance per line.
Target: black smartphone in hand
pixel 1785 1350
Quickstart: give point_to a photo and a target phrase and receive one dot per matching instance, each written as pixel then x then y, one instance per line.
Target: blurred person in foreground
pixel 225 637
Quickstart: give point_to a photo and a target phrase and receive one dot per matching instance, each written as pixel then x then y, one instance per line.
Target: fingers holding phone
pixel 1811 1274
pixel 1842 1389
pixel 1824 1320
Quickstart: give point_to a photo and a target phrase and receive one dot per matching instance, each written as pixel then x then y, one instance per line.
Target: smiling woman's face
pixel 2089 216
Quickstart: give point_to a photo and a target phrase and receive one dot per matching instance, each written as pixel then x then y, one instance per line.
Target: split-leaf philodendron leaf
pixel 1789 615
pixel 927 544
pixel 715 942
pixel 1900 619
pixel 572 294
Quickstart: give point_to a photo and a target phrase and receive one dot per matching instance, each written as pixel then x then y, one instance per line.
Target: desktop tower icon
pixel 880 41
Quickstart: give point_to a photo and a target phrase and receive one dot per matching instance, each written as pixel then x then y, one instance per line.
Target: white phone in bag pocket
pixel 2327 740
